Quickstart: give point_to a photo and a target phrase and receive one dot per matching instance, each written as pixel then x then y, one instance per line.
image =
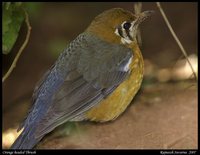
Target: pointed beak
pixel 142 16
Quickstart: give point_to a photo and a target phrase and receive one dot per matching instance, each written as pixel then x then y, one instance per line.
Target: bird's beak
pixel 142 16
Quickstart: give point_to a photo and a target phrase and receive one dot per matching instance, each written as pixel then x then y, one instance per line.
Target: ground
pixel 162 116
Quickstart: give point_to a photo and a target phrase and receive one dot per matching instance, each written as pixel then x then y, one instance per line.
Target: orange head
pixel 117 25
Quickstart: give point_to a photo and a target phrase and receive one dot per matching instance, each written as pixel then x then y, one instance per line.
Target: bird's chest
pixel 113 105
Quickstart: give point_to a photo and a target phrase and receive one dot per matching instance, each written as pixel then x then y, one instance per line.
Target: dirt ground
pixel 162 116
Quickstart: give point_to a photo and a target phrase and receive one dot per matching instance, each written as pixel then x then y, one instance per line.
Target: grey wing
pixel 100 68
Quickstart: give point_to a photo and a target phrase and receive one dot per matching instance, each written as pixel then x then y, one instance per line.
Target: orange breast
pixel 116 103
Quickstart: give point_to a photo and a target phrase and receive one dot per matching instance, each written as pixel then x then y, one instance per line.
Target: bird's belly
pixel 115 104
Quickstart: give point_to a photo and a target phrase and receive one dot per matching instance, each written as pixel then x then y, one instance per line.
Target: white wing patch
pixel 126 67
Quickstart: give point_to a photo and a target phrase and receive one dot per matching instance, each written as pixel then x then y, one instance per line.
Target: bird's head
pixel 117 25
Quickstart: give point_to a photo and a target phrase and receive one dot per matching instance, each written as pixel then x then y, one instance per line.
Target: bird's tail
pixel 26 140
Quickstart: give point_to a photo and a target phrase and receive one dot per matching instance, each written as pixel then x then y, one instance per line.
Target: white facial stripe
pixel 131 28
pixel 124 37
pixel 124 41
pixel 124 34
pixel 116 32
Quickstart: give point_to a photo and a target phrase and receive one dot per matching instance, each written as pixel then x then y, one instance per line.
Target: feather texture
pixel 87 71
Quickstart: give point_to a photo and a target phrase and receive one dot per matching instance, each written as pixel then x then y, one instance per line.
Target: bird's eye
pixel 127 25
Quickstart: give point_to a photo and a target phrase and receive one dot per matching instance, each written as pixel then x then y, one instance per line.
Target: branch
pixel 138 9
pixel 21 48
pixel 176 38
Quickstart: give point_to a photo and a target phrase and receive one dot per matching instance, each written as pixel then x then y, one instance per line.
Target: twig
pixel 176 38
pixel 138 9
pixel 21 48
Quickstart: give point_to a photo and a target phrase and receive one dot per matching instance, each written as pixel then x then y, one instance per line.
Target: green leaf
pixel 13 17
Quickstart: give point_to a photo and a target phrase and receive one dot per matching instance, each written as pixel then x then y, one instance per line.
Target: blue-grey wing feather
pixel 78 81
pixel 98 80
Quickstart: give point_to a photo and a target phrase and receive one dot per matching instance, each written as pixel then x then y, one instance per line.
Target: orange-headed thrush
pixel 94 78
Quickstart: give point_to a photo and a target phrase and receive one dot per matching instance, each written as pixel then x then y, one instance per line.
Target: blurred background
pixel 54 25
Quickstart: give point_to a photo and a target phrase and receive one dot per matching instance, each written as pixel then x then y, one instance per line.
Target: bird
pixel 94 79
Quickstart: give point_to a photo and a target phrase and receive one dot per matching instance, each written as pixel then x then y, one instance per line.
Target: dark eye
pixel 127 25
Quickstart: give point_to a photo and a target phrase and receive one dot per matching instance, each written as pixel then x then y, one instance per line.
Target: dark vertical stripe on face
pixel 128 34
pixel 120 32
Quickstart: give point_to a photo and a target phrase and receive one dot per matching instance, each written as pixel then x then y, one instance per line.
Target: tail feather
pixel 26 140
